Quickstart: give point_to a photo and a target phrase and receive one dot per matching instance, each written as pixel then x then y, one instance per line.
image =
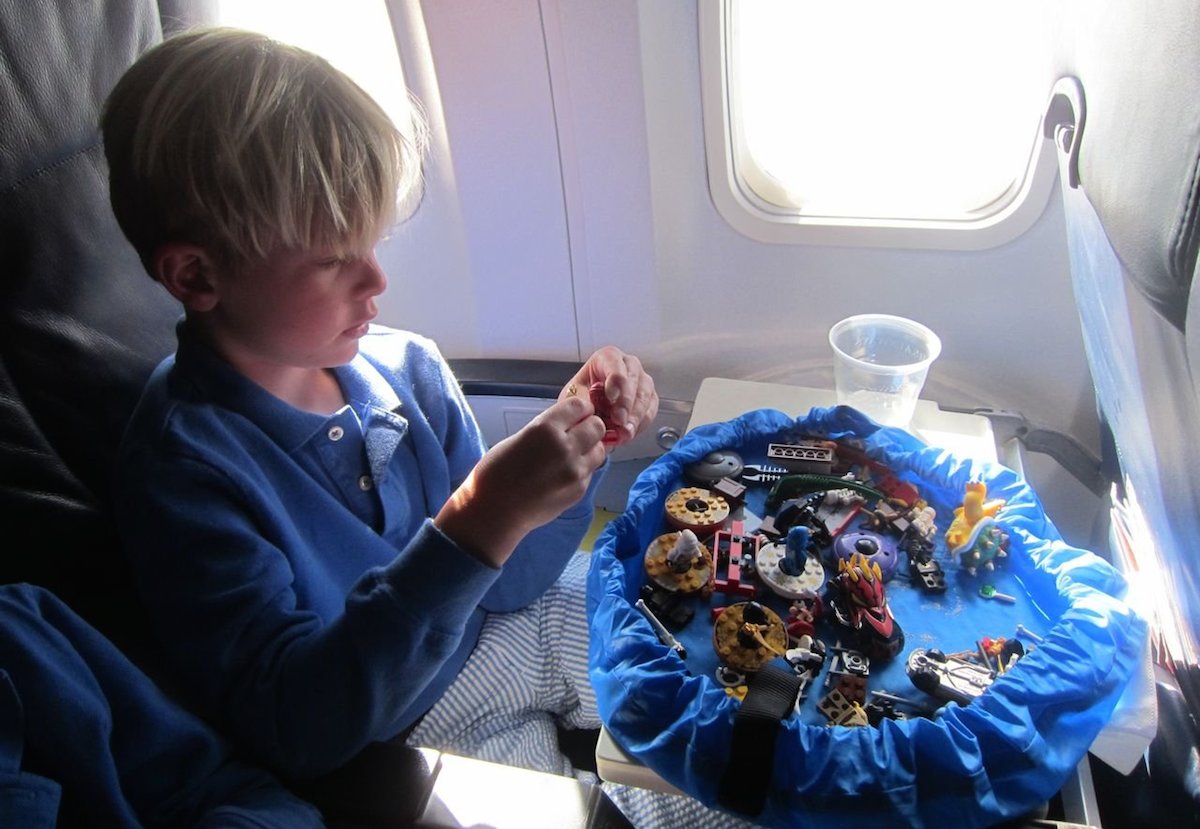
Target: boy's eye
pixel 332 262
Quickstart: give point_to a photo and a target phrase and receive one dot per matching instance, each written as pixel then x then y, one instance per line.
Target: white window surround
pixel 738 193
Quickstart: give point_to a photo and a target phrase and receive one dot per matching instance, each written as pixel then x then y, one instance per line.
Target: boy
pixel 321 540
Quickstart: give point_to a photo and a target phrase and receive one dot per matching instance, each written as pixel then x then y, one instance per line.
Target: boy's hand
pixel 526 480
pixel 620 390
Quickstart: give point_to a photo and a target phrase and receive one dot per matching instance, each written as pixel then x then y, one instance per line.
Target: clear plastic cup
pixel 880 363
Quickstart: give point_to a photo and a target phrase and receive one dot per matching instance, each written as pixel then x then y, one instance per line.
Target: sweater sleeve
pixel 301 693
pixel 93 722
pixel 539 559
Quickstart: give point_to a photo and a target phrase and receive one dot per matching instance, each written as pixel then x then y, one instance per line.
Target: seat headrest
pixel 1139 152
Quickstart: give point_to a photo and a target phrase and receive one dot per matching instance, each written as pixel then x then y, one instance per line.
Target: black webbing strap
pixel 771 698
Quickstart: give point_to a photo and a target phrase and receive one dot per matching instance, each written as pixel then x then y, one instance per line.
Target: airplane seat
pixel 81 324
pixel 1125 121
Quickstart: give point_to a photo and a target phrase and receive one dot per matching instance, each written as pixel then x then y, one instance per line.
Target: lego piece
pixel 770 563
pixel 793 485
pixel 987 591
pixel 842 711
pixel 664 635
pixel 728 545
pixel 723 463
pixel 695 509
pixel 667 606
pixel 603 407
pixel 877 549
pixel 689 571
pixel 927 574
pixel 730 490
pixel 748 635
pixel 803 456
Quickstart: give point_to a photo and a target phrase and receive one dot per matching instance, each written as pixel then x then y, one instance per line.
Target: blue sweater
pixel 88 740
pixel 288 560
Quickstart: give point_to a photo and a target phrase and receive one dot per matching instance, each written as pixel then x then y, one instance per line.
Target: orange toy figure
pixel 974 509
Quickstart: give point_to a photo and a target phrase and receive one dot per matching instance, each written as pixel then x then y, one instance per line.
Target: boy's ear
pixel 187 272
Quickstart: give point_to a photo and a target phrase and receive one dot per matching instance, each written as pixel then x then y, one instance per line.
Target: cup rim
pixel 911 325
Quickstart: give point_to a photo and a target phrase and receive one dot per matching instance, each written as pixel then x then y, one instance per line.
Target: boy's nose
pixel 373 279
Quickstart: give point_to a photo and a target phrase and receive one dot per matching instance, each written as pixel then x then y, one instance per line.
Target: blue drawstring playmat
pixel 924 762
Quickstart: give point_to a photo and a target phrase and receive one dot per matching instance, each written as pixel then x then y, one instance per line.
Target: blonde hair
pixel 240 144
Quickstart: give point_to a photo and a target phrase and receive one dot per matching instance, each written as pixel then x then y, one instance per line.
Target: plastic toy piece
pixel 803 456
pixel 667 607
pixel 1004 652
pixel 793 485
pixel 987 545
pixel 730 490
pixel 858 602
pixel 874 547
pixel 695 509
pixel 603 408
pixel 881 477
pixel 975 507
pixel 1028 634
pixel 802 617
pixel 748 635
pixel 842 711
pixel 798 512
pixel 776 561
pixel 723 463
pixel 883 705
pixel 987 591
pixel 729 678
pixel 679 562
pixel 927 574
pixel 848 673
pixel 731 540
pixel 762 474
pixel 947 677
pixel 664 635
pixel 806 660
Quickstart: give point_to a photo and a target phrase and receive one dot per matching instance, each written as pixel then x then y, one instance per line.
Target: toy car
pixel 947 677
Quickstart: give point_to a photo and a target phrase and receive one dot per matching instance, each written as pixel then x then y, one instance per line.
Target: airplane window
pixel 919 115
pixel 354 35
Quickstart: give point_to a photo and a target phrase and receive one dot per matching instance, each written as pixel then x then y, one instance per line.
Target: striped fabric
pixel 527 673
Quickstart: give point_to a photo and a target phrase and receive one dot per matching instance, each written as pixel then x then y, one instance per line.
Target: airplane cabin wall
pixel 567 207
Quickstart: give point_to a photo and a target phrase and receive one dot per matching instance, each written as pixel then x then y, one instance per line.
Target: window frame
pixel 732 187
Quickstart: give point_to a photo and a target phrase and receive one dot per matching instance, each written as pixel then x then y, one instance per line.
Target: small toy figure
pixel 921 520
pixel 684 552
pixel 858 603
pixel 807 657
pixel 975 508
pixel 748 635
pixel 678 562
pixel 802 616
pixel 788 569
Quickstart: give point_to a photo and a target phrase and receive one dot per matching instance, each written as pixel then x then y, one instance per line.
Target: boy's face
pixel 298 309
